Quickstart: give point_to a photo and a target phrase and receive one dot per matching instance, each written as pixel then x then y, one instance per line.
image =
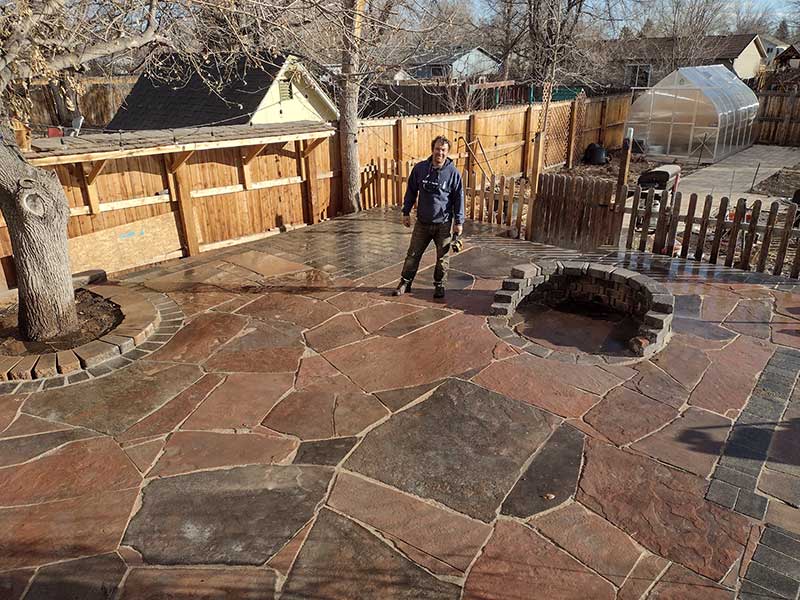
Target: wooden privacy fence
pixel 778 120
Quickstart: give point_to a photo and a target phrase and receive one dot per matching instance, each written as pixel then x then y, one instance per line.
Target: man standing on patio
pixel 435 186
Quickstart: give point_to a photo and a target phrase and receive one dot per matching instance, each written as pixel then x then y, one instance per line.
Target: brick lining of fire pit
pixel 646 301
pixel 150 319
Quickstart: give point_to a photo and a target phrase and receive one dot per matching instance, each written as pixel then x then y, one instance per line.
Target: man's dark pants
pixel 420 238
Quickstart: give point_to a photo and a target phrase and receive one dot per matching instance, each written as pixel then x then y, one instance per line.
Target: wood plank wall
pixel 231 201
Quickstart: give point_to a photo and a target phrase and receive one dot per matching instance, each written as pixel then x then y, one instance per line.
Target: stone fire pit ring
pixel 150 319
pixel 646 301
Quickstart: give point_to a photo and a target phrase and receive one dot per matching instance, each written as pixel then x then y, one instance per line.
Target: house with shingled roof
pixel 283 91
pixel 642 62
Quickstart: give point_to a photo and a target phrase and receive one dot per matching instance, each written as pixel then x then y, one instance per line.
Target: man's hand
pixel 458 229
pixel 407 220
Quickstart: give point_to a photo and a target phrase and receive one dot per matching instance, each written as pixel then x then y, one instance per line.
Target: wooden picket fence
pixel 709 237
pixel 587 213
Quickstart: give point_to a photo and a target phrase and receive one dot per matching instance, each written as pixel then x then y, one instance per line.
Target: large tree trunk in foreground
pixel 348 113
pixel 35 208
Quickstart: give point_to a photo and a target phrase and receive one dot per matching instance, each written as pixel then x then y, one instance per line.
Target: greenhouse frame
pixel 705 113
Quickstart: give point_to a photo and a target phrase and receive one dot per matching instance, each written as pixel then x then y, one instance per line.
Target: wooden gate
pixel 577 212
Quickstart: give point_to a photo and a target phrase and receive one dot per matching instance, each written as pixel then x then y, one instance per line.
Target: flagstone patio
pixel 305 434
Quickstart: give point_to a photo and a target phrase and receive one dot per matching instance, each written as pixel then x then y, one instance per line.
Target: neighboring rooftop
pixel 154 104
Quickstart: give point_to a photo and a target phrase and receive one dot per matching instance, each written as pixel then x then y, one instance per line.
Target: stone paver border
pixel 649 303
pixel 734 480
pixel 150 319
pixel 774 571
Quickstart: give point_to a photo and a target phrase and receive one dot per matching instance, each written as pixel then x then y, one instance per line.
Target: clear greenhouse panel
pixel 705 113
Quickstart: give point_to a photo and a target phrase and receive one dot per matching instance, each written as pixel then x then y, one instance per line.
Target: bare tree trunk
pixel 348 111
pixel 35 208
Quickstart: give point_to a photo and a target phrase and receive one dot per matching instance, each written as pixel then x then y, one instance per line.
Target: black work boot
pixel 438 290
pixel 403 287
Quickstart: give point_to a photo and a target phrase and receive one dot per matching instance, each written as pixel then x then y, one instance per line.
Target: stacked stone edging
pixel 147 315
pixel 648 302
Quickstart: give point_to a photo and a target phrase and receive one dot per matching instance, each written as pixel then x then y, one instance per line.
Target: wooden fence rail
pixel 778 120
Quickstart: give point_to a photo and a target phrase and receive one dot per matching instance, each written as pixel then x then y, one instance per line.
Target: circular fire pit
pixel 636 307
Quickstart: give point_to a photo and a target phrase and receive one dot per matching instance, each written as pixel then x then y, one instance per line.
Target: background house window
pixel 285 89
pixel 637 75
pixel 437 71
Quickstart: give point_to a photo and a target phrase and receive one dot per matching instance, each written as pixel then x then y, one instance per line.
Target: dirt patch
pixel 96 317
pixel 610 171
pixel 783 184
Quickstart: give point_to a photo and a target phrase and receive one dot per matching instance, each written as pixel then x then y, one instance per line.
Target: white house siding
pixel 747 63
pixel 475 63
pixel 306 104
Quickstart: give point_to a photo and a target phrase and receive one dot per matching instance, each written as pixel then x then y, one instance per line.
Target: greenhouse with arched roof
pixel 705 113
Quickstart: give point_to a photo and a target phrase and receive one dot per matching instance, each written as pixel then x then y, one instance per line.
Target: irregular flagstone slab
pixel 168 417
pixel 679 583
pixel 552 476
pixel 787 303
pixel 375 317
pixel 208 583
pixel 262 348
pixel 13 583
pixel 266 265
pixel 144 455
pixel 114 403
pixel 704 335
pixel 343 560
pixel 397 399
pixel 355 300
pixel 751 317
pixel 538 382
pixel 449 537
pixel 188 451
pixel 94 578
pixel 692 442
pixel 28 425
pixel 517 561
pixel 21 449
pixel 687 305
pixel 656 384
pixel 592 540
pixel 326 413
pixel 412 322
pixel 199 339
pixel 482 262
pixel 313 283
pixel 624 416
pixel 313 370
pixel 324 452
pixel 284 559
pixel 663 509
pixel 243 400
pixel 43 533
pixel 732 375
pixel 9 406
pixel 192 303
pixel 448 347
pixel 339 331
pixel 238 516
pixel 683 363
pixel 785 331
pixel 784 452
pixel 76 469
pixel 780 485
pixel 716 308
pixel 644 574
pixel 291 308
pixel 464 447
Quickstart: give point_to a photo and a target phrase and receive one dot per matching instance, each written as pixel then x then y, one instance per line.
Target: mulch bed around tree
pixel 96 317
